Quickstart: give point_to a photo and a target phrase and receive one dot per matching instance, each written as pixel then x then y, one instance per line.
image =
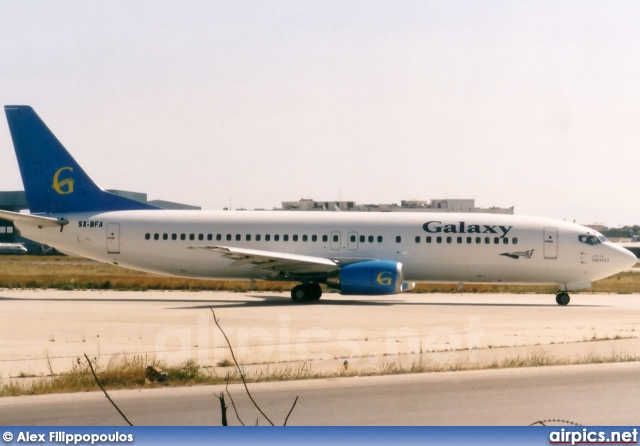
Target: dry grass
pixel 69 273
pixel 125 373
pixel 623 283
pixel 130 373
pixel 484 288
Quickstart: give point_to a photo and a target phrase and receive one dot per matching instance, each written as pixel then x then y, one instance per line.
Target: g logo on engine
pixel 384 278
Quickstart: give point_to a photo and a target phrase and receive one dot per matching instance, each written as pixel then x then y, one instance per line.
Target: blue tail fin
pixel 54 182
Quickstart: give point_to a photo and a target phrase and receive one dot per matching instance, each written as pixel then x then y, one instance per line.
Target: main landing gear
pixel 306 292
pixel 562 298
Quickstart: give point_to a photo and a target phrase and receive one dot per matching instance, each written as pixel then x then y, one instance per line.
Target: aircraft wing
pixel 277 261
pixel 33 220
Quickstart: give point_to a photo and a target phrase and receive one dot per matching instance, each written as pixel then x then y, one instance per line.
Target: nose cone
pixel 622 258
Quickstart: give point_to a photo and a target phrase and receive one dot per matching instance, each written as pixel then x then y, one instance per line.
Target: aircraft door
pixel 335 240
pixel 353 241
pixel 550 243
pixel 113 238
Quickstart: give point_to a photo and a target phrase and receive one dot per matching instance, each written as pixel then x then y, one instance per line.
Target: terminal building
pixel 11 201
pixel 435 205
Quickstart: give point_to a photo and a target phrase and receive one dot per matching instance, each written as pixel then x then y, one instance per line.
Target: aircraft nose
pixel 623 258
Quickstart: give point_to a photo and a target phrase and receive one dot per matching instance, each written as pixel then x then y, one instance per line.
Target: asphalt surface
pixel 598 394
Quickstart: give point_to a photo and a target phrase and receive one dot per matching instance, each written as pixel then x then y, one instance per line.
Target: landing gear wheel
pixel 316 291
pixel 562 298
pixel 299 293
pixel 306 292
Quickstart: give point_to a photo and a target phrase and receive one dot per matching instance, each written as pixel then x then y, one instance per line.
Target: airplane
pixel 357 253
pixel 12 248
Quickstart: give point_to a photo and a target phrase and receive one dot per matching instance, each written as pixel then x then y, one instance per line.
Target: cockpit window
pixel 602 238
pixel 590 239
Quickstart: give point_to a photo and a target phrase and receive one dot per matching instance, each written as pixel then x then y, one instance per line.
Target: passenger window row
pixel 469 240
pixel 257 237
pixel 325 238
pixel 362 238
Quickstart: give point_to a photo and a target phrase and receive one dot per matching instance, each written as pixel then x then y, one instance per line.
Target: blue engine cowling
pixel 372 277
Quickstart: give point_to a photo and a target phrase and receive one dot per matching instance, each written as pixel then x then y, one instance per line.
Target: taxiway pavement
pixel 46 330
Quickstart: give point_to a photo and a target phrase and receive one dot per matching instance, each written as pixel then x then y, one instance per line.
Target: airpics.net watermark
pixel 281 342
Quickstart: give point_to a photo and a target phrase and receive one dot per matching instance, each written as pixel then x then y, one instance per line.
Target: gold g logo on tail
pixel 384 278
pixel 65 186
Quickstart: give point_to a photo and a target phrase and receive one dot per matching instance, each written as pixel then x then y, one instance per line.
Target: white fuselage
pixel 432 247
pixel 12 248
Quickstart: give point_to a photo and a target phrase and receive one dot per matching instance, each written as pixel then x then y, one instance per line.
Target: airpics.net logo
pixel 589 436
pixel 285 342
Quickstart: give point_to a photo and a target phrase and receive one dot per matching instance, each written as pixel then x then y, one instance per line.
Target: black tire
pixel 315 291
pixel 306 292
pixel 299 293
pixel 563 298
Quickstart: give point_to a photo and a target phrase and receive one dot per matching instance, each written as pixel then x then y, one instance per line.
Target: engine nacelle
pixel 408 286
pixel 373 277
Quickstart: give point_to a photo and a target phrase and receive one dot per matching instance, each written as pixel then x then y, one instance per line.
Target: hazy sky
pixel 532 104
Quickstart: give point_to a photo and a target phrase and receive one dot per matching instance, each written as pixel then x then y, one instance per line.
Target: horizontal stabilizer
pixel 33 220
